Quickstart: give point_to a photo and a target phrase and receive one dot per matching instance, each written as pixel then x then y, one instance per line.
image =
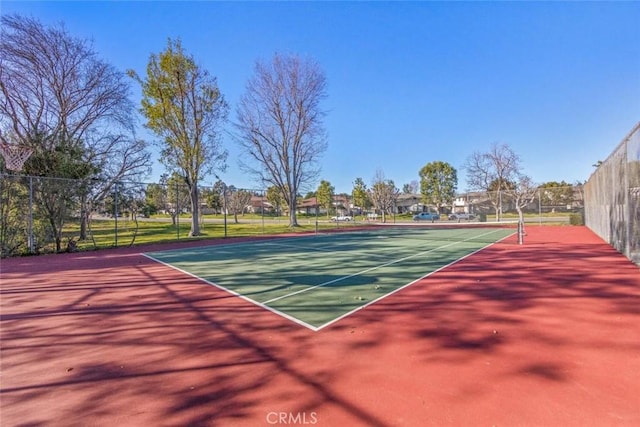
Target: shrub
pixel 576 218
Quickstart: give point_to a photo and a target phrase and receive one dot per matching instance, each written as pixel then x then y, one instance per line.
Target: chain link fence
pixel 40 215
pixel 43 214
pixel 556 204
pixel 612 198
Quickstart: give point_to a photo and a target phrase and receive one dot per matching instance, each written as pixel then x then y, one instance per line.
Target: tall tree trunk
pixel 85 211
pixel 195 211
pixel 293 220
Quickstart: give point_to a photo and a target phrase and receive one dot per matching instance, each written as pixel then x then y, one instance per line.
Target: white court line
pixel 306 248
pixel 232 292
pixel 375 268
pixel 317 328
pixel 302 322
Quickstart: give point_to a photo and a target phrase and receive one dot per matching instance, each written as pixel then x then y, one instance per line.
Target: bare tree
pixel 383 194
pixel 280 125
pixel 238 202
pixel 54 84
pixel 131 163
pixel 72 109
pixel 183 106
pixel 522 192
pixel 493 172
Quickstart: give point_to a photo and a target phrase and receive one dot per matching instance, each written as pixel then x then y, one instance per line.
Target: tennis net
pixel 459 232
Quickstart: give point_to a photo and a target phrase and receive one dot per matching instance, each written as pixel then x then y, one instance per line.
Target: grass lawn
pixel 107 233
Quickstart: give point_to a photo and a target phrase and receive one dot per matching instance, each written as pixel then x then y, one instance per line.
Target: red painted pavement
pixel 543 334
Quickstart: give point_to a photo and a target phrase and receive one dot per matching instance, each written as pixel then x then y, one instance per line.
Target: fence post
pixel 177 211
pixel 31 237
pixel 224 200
pixel 115 213
pixel 262 210
pixel 539 207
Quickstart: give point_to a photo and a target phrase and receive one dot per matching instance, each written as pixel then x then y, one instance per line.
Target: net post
pixel 520 232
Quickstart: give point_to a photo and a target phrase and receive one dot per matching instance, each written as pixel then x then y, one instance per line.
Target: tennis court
pixel 316 280
pixel 539 334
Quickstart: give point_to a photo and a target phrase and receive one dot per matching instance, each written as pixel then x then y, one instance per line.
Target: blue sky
pixel 408 82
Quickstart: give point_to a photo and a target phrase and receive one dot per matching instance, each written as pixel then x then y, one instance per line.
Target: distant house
pixel 462 204
pixel 259 205
pixel 473 202
pixel 308 206
pixel 341 204
pixel 409 202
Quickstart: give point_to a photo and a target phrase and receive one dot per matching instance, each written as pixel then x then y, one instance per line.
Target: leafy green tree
pixel 275 197
pixel 211 198
pixel 438 183
pixel 555 193
pixel 183 106
pixel 325 195
pixel 58 197
pixel 178 196
pixel 360 195
pixel 217 198
pixel 155 198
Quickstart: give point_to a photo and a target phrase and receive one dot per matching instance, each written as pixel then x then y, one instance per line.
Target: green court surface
pixel 315 280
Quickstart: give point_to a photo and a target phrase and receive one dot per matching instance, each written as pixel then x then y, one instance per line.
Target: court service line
pixel 375 268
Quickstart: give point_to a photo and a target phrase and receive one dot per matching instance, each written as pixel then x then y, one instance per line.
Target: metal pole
pixel 115 213
pixel 31 240
pixel 539 208
pixel 200 212
pixel 262 208
pixel 520 232
pixel 224 189
pixel 177 212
